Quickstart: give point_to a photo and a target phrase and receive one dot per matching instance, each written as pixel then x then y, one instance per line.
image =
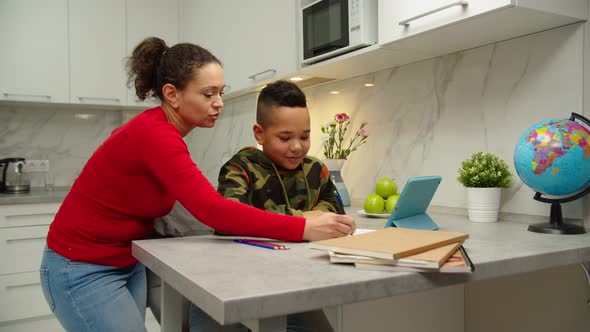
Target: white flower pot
pixel 483 204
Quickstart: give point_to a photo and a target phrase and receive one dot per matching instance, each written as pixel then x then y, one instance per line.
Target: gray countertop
pixel 234 282
pixel 37 195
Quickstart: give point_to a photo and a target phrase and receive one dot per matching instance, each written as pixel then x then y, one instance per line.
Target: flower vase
pixel 335 166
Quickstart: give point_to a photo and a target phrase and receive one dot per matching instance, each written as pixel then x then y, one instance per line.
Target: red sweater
pixel 134 177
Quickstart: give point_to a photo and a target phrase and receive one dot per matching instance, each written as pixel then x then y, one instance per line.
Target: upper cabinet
pixel 411 31
pixel 34 56
pixel 437 27
pixel 97 52
pixel 75 51
pixel 480 21
pixel 254 40
pixel 150 18
pixel 60 51
pixel 402 18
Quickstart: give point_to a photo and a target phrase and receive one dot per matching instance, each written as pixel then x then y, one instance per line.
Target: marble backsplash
pixel 424 118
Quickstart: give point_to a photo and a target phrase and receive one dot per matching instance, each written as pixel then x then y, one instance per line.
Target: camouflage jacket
pixel 249 177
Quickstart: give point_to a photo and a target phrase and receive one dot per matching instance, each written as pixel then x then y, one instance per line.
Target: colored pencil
pixel 261 244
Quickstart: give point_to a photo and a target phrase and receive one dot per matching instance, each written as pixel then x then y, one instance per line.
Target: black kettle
pixel 13 179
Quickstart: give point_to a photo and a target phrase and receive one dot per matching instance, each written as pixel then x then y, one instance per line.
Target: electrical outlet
pixel 36 166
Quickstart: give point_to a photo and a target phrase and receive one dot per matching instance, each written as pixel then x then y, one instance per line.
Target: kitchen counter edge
pixel 36 195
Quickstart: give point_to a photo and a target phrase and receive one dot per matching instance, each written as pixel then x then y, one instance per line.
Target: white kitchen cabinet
pixel 23 229
pixel 438 27
pixel 403 18
pixel 421 16
pixel 254 40
pixel 150 18
pixel 97 51
pixel 34 56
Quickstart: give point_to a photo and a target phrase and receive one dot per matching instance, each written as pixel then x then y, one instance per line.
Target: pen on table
pixel 339 205
pixel 260 244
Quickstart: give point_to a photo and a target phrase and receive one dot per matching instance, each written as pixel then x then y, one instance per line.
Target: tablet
pixel 410 209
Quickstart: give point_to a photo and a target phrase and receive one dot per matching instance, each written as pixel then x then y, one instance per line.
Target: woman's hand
pixel 327 225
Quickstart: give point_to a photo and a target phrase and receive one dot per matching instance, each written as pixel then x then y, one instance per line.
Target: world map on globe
pixel 551 157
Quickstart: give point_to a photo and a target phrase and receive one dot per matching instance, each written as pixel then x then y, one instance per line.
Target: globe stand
pixel 556 224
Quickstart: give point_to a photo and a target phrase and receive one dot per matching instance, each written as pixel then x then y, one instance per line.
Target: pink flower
pixel 341 117
pixel 336 144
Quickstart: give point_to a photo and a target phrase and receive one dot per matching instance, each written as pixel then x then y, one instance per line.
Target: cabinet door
pixel 21 248
pixel 21 297
pixel 97 52
pixel 255 40
pixel 23 229
pixel 427 15
pixel 34 56
pixel 150 18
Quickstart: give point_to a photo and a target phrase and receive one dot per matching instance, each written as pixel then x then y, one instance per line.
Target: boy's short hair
pixel 277 94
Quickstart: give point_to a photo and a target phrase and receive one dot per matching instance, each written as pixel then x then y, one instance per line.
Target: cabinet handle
pixel 26 239
pixel 273 71
pixel 462 3
pixel 35 284
pixel 27 97
pixel 116 100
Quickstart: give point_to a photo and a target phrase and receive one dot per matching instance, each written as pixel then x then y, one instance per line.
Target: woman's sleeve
pixel 167 156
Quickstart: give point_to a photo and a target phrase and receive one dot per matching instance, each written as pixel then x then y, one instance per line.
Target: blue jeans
pixel 90 297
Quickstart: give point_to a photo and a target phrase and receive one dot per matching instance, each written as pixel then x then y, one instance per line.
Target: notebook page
pixel 363 231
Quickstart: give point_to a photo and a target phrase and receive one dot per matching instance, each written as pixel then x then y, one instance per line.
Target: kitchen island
pixel 237 283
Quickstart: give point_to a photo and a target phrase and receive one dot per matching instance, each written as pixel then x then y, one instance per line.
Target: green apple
pixel 374 204
pixel 385 187
pixel 390 202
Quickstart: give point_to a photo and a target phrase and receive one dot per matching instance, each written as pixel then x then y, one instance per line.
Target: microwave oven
pixel 334 27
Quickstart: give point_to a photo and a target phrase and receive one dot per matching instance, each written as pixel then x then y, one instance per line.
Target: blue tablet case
pixel 410 209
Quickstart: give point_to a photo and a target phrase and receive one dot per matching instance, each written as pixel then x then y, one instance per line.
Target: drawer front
pixel 21 297
pixel 37 324
pixel 18 215
pixel 21 248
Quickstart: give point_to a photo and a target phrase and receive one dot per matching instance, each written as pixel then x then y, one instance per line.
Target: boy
pixel 281 178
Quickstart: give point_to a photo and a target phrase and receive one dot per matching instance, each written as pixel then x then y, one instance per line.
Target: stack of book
pixel 400 249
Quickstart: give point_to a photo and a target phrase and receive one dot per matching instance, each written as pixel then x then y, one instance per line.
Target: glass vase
pixel 335 167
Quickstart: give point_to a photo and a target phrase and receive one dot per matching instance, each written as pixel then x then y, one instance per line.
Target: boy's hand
pixel 327 225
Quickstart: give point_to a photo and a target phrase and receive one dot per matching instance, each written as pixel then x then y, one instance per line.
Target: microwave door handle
pixel 462 3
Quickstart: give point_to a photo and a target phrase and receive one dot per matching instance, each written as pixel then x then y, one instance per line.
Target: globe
pixel 551 157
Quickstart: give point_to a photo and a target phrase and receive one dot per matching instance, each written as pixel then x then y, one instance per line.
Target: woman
pixel 88 275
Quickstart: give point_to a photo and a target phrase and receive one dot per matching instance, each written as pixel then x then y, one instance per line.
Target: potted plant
pixel 484 175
